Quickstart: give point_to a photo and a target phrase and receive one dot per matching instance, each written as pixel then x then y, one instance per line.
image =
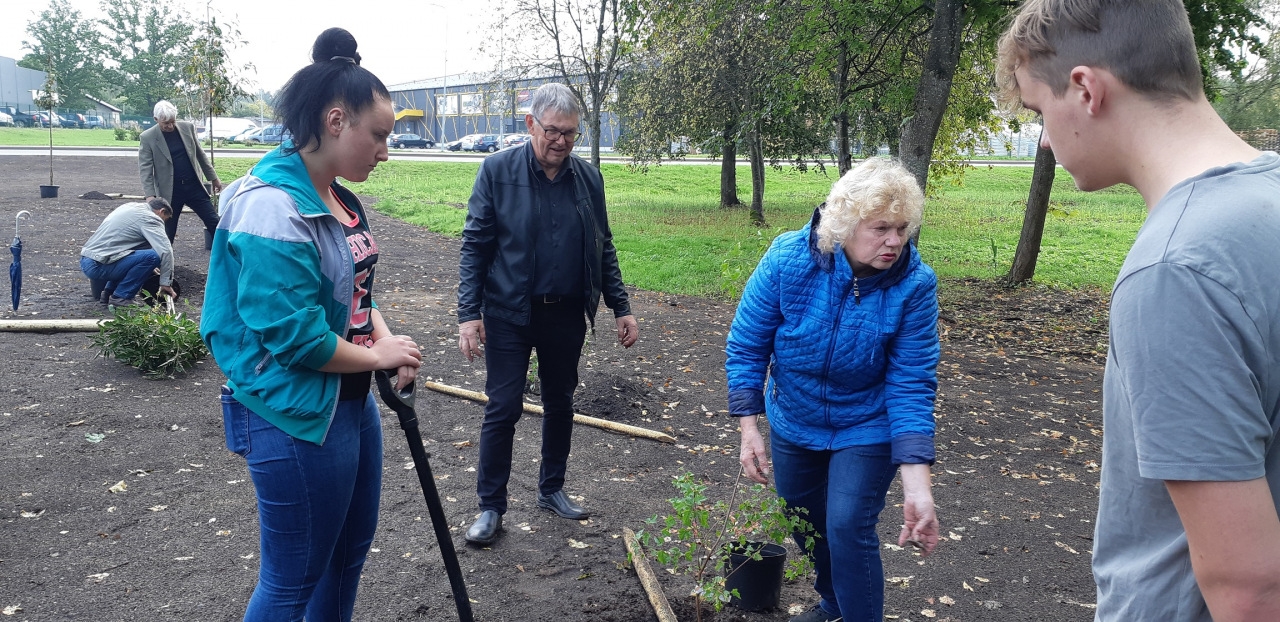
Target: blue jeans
pixel 844 491
pixel 125 276
pixel 317 509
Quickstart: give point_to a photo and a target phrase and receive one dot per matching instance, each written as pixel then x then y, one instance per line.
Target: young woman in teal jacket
pixel 835 340
pixel 289 316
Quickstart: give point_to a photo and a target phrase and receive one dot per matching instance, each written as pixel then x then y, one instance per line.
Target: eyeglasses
pixel 554 134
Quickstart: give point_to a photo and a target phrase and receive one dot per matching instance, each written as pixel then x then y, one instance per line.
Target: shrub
pixel 157 343
pixel 698 537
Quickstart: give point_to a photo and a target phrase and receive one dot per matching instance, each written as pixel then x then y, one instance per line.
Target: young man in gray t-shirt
pixel 1187 518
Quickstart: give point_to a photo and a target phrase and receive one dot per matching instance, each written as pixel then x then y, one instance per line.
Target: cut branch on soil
pixel 647 579
pixel 535 409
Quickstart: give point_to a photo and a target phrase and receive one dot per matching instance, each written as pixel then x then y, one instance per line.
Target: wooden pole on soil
pixel 647 579
pixel 535 409
pixel 51 326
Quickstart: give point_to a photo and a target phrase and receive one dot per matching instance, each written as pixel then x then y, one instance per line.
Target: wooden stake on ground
pixel 51 326
pixel 603 424
pixel 647 579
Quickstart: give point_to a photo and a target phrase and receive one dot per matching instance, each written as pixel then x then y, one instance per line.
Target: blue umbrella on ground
pixel 15 268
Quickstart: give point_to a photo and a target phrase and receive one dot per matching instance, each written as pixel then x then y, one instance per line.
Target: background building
pixel 447 108
pixel 16 84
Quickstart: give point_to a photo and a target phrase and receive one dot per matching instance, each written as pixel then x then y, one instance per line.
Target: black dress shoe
pixel 559 503
pixel 485 530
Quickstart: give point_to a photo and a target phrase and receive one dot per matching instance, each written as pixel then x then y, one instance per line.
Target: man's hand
pixel 217 185
pixel 405 376
pixel 168 291
pixel 755 462
pixel 470 338
pixel 628 330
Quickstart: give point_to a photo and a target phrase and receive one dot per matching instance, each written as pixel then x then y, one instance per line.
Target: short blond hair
pixel 1147 44
pixel 878 187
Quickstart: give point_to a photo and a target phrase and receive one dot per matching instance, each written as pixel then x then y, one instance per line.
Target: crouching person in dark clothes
pixel 126 250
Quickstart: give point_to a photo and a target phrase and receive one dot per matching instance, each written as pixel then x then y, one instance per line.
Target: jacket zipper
pixel 826 364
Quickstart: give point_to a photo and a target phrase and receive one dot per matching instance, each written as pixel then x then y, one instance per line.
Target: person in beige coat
pixel 171 163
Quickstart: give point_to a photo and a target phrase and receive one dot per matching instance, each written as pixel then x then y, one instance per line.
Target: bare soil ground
pixel 1019 436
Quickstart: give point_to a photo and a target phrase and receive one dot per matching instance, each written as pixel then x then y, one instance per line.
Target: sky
pixel 398 41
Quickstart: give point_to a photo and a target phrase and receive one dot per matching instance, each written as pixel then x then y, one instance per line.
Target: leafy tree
pixel 584 43
pixel 214 82
pixel 68 45
pixel 147 41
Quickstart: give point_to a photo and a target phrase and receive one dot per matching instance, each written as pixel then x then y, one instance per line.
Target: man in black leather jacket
pixel 537 256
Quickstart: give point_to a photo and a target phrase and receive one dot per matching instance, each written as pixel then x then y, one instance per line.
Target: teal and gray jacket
pixel 278 295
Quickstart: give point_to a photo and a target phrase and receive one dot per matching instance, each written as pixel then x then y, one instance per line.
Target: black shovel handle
pixel 402 403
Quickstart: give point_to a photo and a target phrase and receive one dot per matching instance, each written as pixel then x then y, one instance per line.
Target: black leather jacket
pixel 498 259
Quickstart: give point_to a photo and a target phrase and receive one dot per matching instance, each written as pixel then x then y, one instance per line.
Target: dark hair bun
pixel 334 42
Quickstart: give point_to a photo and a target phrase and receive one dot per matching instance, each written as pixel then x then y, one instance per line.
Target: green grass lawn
pixel 672 236
pixel 29 136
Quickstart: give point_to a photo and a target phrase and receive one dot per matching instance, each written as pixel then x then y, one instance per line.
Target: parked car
pixel 226 127
pixel 72 120
pixel 270 135
pixel 462 144
pixel 94 121
pixel 481 142
pixel 21 119
pixel 516 139
pixel 243 137
pixel 6 119
pixel 403 141
pixel 45 120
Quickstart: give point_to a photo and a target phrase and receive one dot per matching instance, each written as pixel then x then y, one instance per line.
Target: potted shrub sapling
pixel 47 99
pixel 732 550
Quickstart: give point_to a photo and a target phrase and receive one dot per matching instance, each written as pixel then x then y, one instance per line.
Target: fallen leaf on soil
pixel 28 514
pixel 94 437
pixel 11 609
pixel 904 582
pixel 183 559
pixel 983 580
pixel 98 578
pixel 991 604
pixel 75 423
pixel 119 487
pixel 946 600
pixel 577 545
pixel 928 613
pixel 157 508
pixel 965 584
pixel 955 536
pixel 1066 548
pixel 224 532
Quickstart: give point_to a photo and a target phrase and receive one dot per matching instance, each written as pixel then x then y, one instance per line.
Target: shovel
pixel 402 402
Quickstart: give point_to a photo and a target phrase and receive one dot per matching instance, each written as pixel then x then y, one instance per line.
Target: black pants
pixel 193 195
pixel 556 331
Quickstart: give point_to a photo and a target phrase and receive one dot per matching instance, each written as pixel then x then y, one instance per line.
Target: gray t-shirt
pixel 1192 386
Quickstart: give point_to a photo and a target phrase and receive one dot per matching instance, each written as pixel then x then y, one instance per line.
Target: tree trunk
pixel 843 155
pixel 594 122
pixel 1024 259
pixel 729 169
pixel 757 178
pixel 934 88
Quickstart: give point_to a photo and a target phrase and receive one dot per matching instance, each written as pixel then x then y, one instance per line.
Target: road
pixel 408 155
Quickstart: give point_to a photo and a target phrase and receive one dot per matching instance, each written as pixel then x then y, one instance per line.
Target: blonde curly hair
pixel 879 187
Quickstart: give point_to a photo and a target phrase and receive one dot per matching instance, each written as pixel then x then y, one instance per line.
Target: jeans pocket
pixel 235 424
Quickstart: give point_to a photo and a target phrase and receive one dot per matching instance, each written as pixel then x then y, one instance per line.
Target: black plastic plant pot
pixel 759 582
pixel 48 192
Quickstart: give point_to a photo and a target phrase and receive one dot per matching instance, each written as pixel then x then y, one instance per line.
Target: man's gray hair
pixel 555 97
pixel 165 111
pixel 160 204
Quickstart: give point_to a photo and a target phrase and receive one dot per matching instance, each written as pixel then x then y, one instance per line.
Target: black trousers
pixel 556 332
pixel 193 195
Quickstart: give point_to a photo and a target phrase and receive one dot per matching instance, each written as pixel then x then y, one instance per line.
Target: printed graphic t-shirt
pixel 364 252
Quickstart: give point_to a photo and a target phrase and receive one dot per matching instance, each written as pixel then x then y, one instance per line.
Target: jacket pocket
pixel 235 424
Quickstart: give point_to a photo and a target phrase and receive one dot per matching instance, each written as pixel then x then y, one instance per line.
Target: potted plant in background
pixel 734 553
pixel 47 99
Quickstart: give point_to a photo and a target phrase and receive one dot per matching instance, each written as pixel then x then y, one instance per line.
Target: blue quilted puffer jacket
pixel 849 361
